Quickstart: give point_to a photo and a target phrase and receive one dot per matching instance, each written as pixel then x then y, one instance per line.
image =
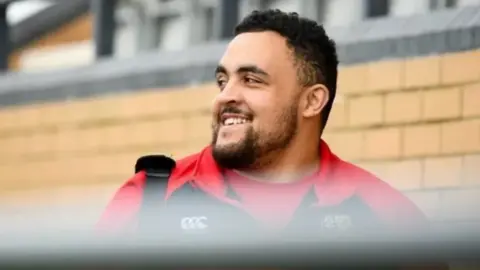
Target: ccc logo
pixel 193 223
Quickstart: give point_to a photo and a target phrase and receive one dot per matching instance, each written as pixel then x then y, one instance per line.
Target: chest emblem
pixel 193 224
pixel 337 222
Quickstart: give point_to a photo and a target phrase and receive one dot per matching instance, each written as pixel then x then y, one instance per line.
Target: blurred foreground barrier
pixel 31 251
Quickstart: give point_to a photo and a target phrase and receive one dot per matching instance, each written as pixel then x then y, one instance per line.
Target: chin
pixel 231 156
pixel 227 146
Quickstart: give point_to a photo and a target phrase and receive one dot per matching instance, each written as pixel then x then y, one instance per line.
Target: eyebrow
pixel 243 69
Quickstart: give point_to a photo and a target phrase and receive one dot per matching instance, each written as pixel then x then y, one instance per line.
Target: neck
pixel 287 165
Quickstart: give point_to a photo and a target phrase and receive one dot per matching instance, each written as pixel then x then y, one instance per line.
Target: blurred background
pixel 86 87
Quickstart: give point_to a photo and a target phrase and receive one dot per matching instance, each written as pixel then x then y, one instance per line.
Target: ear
pixel 316 97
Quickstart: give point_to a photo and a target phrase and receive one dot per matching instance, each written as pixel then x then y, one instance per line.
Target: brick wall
pixel 414 122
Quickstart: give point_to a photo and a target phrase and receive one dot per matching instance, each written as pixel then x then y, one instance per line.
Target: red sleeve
pixel 400 214
pixel 120 213
pixel 391 206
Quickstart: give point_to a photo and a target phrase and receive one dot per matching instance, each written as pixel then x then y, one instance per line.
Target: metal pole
pixel 229 17
pixel 104 19
pixel 4 38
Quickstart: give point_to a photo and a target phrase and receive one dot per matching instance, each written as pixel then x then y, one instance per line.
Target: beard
pixel 254 150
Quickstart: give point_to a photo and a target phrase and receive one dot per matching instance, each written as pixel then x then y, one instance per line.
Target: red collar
pixel 332 186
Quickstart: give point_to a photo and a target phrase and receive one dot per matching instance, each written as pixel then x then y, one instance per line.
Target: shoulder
pixel 176 168
pixel 388 203
pixel 185 165
pixel 126 201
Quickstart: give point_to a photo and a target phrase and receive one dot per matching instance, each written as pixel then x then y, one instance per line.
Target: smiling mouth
pixel 233 119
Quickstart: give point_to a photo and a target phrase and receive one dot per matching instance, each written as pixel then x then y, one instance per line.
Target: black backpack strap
pixel 157 170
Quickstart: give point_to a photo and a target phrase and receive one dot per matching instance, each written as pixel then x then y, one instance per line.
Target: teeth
pixel 234 121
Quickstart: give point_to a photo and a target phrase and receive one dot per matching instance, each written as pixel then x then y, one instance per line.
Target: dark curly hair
pixel 315 52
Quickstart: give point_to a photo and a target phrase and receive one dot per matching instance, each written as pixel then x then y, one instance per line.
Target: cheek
pixel 275 118
pixel 265 113
pixel 215 107
pixel 267 120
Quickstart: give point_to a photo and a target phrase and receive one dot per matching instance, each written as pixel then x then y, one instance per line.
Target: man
pixel 267 167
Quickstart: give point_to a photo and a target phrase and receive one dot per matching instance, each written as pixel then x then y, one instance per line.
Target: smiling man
pixel 267 167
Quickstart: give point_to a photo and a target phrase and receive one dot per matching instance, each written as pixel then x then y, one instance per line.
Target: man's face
pixel 255 113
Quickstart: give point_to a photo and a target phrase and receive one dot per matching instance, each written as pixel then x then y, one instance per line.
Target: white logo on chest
pixel 340 222
pixel 194 223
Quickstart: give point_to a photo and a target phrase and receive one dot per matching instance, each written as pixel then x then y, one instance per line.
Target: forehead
pixel 267 50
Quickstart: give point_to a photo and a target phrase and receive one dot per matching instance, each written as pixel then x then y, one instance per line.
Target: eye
pixel 221 82
pixel 250 80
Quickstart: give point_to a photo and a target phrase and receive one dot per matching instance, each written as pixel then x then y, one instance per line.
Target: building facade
pixel 177 24
pixel 171 25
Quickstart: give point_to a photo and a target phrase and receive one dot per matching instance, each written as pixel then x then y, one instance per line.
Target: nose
pixel 231 93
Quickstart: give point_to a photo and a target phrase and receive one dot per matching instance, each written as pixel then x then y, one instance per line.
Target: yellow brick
pixel 67 141
pixel 339 115
pixel 365 111
pixel 471 100
pixel 385 75
pixel 460 204
pixel 428 201
pixel 96 167
pixel 118 136
pixel 144 103
pixel 41 174
pixel 352 79
pixel 193 99
pixel 348 144
pixel 13 147
pixel 471 170
pixel 422 72
pixel 328 136
pixel 118 165
pixel 405 175
pixel 6 118
pixel 383 143
pixel 421 140
pixel 142 150
pixel 403 107
pixel 54 113
pixel 152 102
pixel 461 137
pixel 13 173
pixel 198 127
pixel 80 111
pixel 171 130
pixel 100 108
pixel 377 168
pixel 442 104
pixel 24 117
pixel 78 175
pixel 460 67
pixel 116 107
pixel 70 173
pixel 42 143
pixel 88 140
pixel 443 172
pixel 130 158
pixel 181 152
